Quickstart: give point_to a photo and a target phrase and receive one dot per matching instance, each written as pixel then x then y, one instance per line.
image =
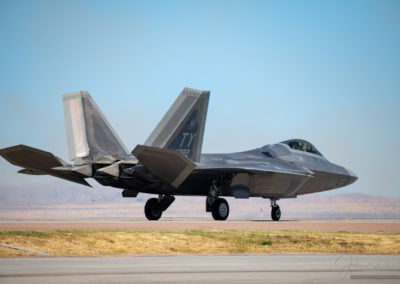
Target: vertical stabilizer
pixel 182 127
pixel 89 134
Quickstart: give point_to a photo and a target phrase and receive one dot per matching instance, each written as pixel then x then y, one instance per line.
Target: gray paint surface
pixel 171 163
pixel 90 136
pixel 272 268
pixel 182 127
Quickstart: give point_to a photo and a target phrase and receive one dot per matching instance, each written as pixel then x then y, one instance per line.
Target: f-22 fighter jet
pixel 170 162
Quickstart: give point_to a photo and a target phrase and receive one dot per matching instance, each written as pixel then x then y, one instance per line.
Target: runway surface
pixel 196 269
pixel 351 225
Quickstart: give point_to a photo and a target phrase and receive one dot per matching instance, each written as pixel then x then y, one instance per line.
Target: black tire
pixel 276 213
pixel 150 210
pixel 220 209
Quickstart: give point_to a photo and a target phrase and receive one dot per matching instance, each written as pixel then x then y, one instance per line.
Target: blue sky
pixel 324 71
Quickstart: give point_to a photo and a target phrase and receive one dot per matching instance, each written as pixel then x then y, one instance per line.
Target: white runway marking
pixel 24 249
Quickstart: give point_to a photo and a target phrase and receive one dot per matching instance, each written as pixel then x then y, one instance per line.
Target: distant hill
pixel 57 194
pixel 75 202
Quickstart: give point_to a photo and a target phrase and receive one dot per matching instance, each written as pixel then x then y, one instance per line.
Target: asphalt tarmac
pixel 199 269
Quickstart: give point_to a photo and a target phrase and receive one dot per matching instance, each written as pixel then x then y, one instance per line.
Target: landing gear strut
pixel 218 207
pixel 155 206
pixel 275 210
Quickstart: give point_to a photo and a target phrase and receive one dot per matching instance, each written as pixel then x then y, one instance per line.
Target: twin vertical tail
pixel 90 136
pixel 92 140
pixel 182 127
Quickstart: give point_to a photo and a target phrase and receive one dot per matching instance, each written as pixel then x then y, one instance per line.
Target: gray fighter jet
pixel 170 162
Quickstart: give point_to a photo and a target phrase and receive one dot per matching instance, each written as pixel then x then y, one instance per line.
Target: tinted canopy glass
pixel 302 145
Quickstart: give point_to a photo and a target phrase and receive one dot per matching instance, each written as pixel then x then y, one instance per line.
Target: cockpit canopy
pixel 302 145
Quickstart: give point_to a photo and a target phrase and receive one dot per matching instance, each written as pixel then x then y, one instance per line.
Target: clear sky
pixel 324 71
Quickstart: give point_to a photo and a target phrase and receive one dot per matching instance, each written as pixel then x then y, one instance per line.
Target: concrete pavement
pixel 280 268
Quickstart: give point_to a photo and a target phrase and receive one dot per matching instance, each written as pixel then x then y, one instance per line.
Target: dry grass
pixel 198 241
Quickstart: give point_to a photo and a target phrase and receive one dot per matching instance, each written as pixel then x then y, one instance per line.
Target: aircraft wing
pixel 272 170
pixel 173 167
pixel 254 169
pixel 247 163
pixel 39 162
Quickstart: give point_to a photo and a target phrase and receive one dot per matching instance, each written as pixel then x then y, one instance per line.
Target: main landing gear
pixel 218 207
pixel 275 210
pixel 156 206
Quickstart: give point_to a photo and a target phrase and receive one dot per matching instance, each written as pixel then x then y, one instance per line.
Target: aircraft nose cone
pixel 352 176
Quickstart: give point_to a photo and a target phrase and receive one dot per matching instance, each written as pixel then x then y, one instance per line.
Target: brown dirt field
pixel 320 225
pixel 197 241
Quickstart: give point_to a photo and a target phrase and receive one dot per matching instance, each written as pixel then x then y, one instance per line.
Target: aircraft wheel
pixel 275 213
pixel 220 209
pixel 151 211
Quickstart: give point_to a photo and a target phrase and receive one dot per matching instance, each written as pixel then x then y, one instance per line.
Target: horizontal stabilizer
pixel 38 162
pixel 169 165
pixel 31 158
